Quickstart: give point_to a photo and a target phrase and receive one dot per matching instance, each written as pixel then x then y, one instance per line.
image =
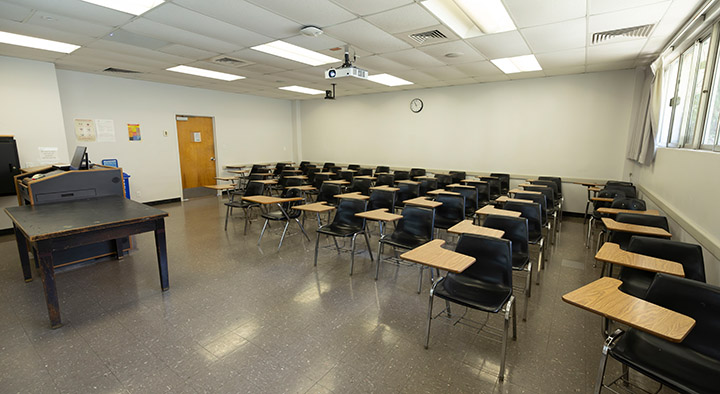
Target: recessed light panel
pixel 37 43
pixel 301 89
pixel 389 80
pixel 135 7
pixel 490 15
pixel 517 64
pixel 200 72
pixel 295 53
pixel 453 17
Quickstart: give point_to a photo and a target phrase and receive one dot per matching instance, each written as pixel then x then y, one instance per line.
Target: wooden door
pixel 196 143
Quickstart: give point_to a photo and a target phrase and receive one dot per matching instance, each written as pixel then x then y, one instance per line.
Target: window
pixel 668 101
pixel 686 138
pixel 682 97
pixel 710 135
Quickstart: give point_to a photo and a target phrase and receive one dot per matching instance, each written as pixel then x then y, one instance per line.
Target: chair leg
pixel 352 253
pixel 379 260
pixel 603 361
pixel 589 231
pixel 503 350
pixel 287 224
pixel 528 286
pixel 247 220
pixel 336 245
pixel 447 308
pixel 302 229
pixel 367 242
pixel 625 375
pixel 420 280
pixel 587 204
pixel 317 245
pixel 228 212
pixel 514 319
pixel 263 230
pixel 427 332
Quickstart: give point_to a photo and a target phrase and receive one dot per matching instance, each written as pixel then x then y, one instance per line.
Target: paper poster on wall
pixel 105 130
pixel 197 137
pixel 48 155
pixel 85 130
pixel 134 132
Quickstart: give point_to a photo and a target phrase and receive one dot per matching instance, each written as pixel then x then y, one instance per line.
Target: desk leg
pixel 23 251
pixel 119 249
pixel 47 274
pixel 161 248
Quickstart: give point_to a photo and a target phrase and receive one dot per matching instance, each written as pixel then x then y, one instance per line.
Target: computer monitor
pixel 80 159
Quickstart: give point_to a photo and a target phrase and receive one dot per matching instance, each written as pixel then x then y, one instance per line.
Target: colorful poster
pixel 134 132
pixel 85 130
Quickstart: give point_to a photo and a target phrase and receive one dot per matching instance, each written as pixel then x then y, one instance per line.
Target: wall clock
pixel 416 105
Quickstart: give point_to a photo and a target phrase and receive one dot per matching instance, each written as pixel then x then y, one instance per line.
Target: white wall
pixel 30 110
pixel 247 128
pixel 572 126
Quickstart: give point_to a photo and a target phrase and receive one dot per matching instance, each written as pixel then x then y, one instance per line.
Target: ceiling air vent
pixel 228 61
pixel 432 35
pixel 635 31
pixel 120 71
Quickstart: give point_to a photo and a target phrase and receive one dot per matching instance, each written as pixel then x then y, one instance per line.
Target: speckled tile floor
pixel 241 318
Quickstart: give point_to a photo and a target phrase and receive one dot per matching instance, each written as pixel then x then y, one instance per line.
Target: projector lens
pixel 332 73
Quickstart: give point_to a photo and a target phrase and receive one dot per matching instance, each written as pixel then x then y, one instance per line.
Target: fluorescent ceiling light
pixel 294 52
pixel 517 64
pixel 135 7
pixel 37 43
pixel 205 73
pixel 301 89
pixel 451 15
pixel 490 15
pixel 389 80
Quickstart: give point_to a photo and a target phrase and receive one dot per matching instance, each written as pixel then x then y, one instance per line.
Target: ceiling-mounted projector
pixel 346 69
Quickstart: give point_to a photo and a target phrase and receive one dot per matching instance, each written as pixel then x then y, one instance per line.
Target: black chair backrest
pixel 287 173
pixel 556 179
pixel 292 193
pixel 607 193
pixel 293 182
pixel 414 172
pixel 381 199
pixel 537 198
pixel 303 164
pixel 697 300
pixel 345 215
pixel 336 170
pixel 516 230
pixel 364 171
pixel 618 183
pixel 328 165
pixel 416 221
pixel 493 185
pixel 256 168
pixel 634 204
pixel 278 168
pixel 385 179
pixel 443 180
pixel 256 177
pixel 471 199
pixel 254 189
pixel 452 209
pixel 483 192
pixel 320 179
pixel 629 191
pixel 361 185
pixel 623 238
pixel 328 192
pixel 530 211
pixel 427 185
pixel 493 258
pixel 382 169
pixel 504 181
pixel 347 175
pixel 407 191
pixel 689 255
pixel 401 175
pixel 547 191
pixel 310 172
pixel 353 166
pixel 552 185
pixel 457 176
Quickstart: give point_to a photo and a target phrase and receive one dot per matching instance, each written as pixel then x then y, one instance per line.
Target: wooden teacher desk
pixel 55 227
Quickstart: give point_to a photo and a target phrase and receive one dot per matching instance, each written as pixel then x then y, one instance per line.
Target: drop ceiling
pixel 195 32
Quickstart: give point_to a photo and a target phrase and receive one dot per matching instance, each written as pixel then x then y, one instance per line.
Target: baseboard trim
pixel 166 201
pixel 707 241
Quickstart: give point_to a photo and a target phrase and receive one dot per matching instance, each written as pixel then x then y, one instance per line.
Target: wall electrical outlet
pixel 165 133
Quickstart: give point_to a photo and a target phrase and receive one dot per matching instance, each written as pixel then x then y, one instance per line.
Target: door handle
pixel 212 159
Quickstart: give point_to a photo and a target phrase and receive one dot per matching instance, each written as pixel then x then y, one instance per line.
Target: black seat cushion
pixel 445 223
pixel 405 240
pixel 273 215
pixel 520 260
pixel 469 292
pixel 340 229
pixel 676 366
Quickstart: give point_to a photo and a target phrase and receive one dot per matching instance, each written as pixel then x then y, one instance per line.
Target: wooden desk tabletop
pixel 353 195
pixel 237 166
pixel 270 199
pixel 302 187
pixel 442 191
pixel 317 207
pixel 490 210
pixel 409 182
pixel 594 188
pixel 612 225
pixel 227 178
pixel 604 298
pixel 433 255
pixel 615 211
pixel 467 226
pixel 459 185
pixel 422 202
pixel 372 178
pixel 490 176
pixel 348 170
pixel 303 177
pixel 589 184
pixel 265 181
pixel 386 188
pixel 338 182
pixel 291 170
pixel 611 253
pixel 379 214
pixel 220 187
pixel 424 177
pixel 325 173
pixel 531 185
pixel 506 199
pixel 245 172
pixel 472 181
pixel 603 199
pixel 523 191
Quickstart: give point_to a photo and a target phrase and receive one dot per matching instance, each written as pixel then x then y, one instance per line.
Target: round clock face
pixel 416 105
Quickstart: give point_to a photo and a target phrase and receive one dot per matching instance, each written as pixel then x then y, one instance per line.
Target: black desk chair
pixel 385 180
pixel 637 282
pixel 623 238
pixel 457 176
pixel 531 212
pixel 471 200
pixel 347 175
pixel 691 366
pixel 336 172
pixel 427 185
pixel 596 216
pixel 451 212
pixel 414 229
pixel 346 224
pixel 558 183
pixel 327 166
pixel 365 171
pixel 353 167
pixel 293 182
pixel 628 190
pixel 539 199
pixel 552 210
pixel 401 175
pixel 278 216
pixel 516 231
pixel 504 181
pixel 416 172
pixel 279 167
pixel 381 199
pixel 486 285
pixel 382 169
pixel 407 191
pixel 328 191
pixel 443 180
pixel 252 189
pixel 494 186
pixel 361 185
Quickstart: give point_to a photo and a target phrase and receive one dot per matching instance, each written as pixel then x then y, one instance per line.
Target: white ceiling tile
pixel 414 76
pixel 603 6
pixel 527 75
pixel 528 13
pixel 319 43
pixel 130 38
pixel 172 34
pixel 467 53
pixel 610 66
pixel 44 32
pixel 29 53
pixel 492 78
pixel 249 16
pixel 120 48
pixel 495 46
pixel 14 12
pixel 413 58
pixel 78 9
pixel 444 73
pixel 627 18
pixel 263 68
pixel 276 61
pixel 678 12
pixel 556 36
pixel 407 18
pixel 319 13
pixel 362 34
pixel 561 59
pixel 380 64
pixel 367 7
pixel 479 69
pixel 616 52
pixel 564 70
pixel 176 16
pixel 187 52
pixel 64 23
